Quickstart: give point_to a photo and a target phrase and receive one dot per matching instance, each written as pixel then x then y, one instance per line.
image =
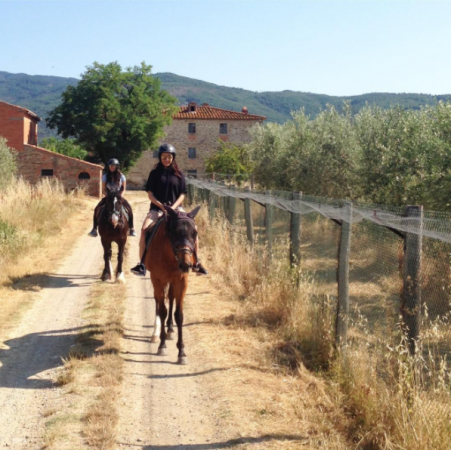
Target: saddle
pixel 124 211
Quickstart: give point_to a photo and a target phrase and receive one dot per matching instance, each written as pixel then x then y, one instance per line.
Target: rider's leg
pixel 140 268
pixel 95 216
pixel 128 207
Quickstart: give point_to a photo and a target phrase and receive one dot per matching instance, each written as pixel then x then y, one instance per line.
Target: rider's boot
pixel 93 232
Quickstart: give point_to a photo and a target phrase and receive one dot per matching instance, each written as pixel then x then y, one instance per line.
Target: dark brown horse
pixel 169 259
pixel 113 227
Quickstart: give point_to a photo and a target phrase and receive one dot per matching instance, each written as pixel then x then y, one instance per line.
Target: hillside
pixel 41 93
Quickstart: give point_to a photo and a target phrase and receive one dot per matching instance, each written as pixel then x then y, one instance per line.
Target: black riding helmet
pixel 113 162
pixel 166 148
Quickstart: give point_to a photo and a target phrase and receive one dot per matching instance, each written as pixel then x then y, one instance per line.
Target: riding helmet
pixel 166 148
pixel 113 162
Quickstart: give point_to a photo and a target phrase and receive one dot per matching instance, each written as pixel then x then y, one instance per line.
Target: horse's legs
pixel 106 275
pixel 157 325
pixel 170 334
pixel 158 289
pixel 120 278
pixel 180 295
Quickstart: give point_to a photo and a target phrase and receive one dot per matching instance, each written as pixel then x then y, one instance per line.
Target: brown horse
pixel 169 258
pixel 113 227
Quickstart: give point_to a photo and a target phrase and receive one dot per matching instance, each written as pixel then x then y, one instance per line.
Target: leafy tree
pixel 230 159
pixel 114 113
pixel 8 166
pixel 66 147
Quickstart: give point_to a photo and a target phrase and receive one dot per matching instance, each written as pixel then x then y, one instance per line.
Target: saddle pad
pixel 152 232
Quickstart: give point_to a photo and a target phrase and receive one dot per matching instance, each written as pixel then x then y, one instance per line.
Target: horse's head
pixel 182 235
pixel 113 207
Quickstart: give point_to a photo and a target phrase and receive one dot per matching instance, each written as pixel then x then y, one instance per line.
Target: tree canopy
pixel 66 147
pixel 114 113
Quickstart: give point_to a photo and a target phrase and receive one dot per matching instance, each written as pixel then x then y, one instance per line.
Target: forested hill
pixel 41 93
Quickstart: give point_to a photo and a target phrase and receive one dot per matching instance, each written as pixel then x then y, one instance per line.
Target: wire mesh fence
pixel 385 270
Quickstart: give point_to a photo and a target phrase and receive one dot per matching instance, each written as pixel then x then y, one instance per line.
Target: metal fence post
pixel 343 275
pixel 248 218
pixel 295 234
pixel 411 295
pixel 268 225
pixel 211 205
pixel 231 205
pixel 190 194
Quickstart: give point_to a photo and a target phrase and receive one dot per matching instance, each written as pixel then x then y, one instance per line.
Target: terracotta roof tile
pixel 205 112
pixel 31 113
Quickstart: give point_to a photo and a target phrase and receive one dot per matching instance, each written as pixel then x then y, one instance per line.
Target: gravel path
pixel 33 351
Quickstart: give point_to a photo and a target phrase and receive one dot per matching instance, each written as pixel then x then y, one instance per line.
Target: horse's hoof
pixel 182 360
pixel 170 336
pixel 120 278
pixel 162 352
pixel 106 278
pixel 154 339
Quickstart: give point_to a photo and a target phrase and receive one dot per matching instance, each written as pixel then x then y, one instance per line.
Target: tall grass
pixel 29 213
pixel 391 400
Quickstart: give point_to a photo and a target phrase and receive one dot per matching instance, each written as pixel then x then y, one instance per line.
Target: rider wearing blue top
pixel 113 179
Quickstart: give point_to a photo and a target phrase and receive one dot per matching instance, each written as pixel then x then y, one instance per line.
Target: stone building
pixel 194 132
pixel 20 127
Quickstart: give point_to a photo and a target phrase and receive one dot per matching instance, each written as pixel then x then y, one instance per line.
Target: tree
pixel 8 166
pixel 113 113
pixel 66 147
pixel 230 159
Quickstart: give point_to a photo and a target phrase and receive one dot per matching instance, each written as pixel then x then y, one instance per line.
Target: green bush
pixel 8 167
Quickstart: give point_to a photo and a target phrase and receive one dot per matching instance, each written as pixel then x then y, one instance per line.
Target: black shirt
pixel 165 186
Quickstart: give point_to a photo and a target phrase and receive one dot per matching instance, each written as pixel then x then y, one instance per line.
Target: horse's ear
pixel 170 211
pixel 194 212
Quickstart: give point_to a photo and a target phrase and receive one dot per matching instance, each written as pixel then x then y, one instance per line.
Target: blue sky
pixel 332 47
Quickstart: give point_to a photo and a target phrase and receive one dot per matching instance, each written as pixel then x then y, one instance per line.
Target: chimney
pixel 244 110
pixel 205 104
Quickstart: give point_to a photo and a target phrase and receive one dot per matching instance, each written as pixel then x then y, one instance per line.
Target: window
pixel 84 176
pixel 192 173
pixel 191 153
pixel 192 128
pixel 222 128
pixel 155 153
pixel 47 173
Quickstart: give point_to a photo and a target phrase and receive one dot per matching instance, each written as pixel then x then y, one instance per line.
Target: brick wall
pixel 32 161
pixel 205 141
pixel 12 125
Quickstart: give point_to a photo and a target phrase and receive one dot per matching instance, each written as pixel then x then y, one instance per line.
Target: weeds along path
pixel 31 355
pixel 230 395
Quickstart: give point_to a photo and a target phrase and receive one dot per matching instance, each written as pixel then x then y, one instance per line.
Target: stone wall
pixel 205 141
pixel 35 162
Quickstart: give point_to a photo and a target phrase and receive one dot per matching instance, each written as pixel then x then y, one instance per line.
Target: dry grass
pixel 31 242
pixel 387 399
pixel 92 374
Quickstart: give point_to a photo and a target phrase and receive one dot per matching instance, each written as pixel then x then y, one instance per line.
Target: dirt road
pixel 229 395
pixel 33 351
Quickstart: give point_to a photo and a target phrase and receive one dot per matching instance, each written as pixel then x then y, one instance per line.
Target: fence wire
pixel 388 284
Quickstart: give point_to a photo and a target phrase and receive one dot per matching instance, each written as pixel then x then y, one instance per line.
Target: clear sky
pixel 331 47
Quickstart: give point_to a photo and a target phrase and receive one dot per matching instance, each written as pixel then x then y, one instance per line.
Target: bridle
pixel 181 247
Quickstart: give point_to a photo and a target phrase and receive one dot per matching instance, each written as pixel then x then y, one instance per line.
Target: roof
pixel 25 110
pixel 59 155
pixel 205 112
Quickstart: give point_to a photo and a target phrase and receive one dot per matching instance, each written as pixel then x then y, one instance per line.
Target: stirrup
pixel 132 232
pixel 199 268
pixel 139 269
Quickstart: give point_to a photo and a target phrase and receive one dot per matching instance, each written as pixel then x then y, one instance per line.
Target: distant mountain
pixel 41 94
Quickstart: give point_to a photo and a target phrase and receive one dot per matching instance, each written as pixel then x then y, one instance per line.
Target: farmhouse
pixel 20 127
pixel 194 133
